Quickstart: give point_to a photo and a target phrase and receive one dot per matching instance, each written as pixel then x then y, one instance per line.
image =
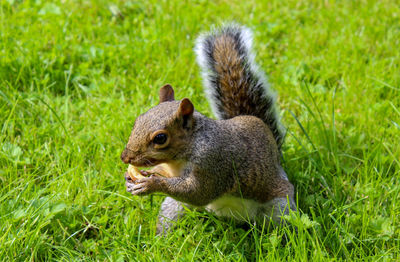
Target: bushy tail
pixel 233 82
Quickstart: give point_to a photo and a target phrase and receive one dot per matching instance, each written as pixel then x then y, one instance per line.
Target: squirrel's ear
pixel 166 93
pixel 186 107
pixel 185 112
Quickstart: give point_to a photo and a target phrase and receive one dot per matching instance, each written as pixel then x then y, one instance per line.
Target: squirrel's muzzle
pixel 126 156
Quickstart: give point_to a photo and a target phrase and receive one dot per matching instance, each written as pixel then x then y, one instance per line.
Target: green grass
pixel 75 74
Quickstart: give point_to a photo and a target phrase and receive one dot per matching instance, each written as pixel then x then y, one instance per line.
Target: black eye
pixel 160 139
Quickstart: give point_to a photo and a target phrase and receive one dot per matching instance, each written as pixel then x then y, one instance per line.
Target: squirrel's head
pixel 161 134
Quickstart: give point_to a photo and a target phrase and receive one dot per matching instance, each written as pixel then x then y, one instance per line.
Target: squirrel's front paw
pixel 143 186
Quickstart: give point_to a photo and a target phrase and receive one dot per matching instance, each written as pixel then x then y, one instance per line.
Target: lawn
pixel 75 74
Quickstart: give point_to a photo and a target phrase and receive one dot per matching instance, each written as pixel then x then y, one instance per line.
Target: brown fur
pixel 230 72
pixel 238 156
pixel 233 82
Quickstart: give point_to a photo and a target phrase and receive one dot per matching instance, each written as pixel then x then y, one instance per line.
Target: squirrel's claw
pixel 142 186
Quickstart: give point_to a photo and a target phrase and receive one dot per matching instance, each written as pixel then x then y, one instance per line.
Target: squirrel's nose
pixel 125 156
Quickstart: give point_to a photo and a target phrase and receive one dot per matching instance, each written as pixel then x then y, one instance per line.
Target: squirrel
pixel 229 166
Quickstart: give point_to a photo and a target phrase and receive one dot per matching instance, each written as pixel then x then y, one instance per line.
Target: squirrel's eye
pixel 160 139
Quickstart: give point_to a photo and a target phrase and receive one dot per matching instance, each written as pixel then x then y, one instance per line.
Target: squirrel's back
pixel 233 83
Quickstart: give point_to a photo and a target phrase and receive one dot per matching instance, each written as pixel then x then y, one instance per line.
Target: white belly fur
pixel 236 207
pixel 248 210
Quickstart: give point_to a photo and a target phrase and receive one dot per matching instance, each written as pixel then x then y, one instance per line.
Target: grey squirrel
pixel 230 166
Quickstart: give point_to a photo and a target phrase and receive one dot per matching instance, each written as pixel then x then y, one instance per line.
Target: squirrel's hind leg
pixel 278 207
pixel 171 210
